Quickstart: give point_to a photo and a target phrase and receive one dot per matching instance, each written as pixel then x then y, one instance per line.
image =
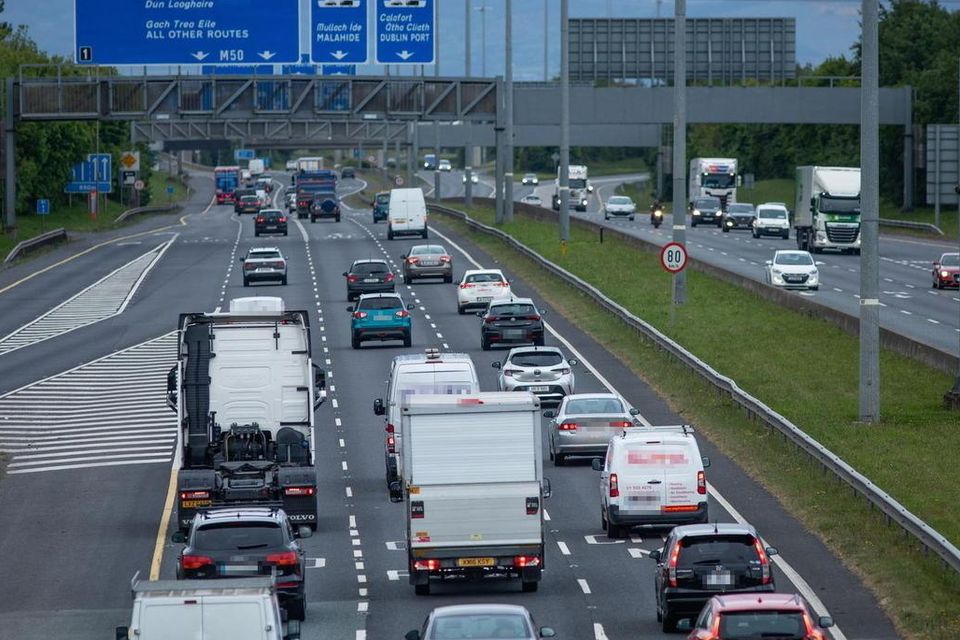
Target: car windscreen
pixel 238 536
pixel 578 183
pixel 433 250
pixel 263 255
pixel 437 382
pixel 740 208
pixel 383 198
pixel 619 200
pixel 775 214
pixel 271 215
pixel 707 203
pixel 706 551
pixel 594 405
pixel 372 304
pixel 484 277
pixel 496 625
pixel 515 309
pixel 536 359
pixel 794 259
pixel 250 199
pixel 364 268
pixel 743 625
pixel 950 260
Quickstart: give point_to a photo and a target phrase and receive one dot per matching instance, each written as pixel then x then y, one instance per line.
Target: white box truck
pixel 579 188
pixel 715 177
pixel 827 211
pixel 473 472
pixel 256 166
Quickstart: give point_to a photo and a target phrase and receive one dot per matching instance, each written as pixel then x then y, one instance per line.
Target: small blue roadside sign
pixel 406 31
pixel 43 207
pixel 244 154
pixel 167 32
pixel 339 70
pixel 338 31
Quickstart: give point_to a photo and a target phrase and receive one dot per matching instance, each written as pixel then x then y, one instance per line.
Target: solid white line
pixel 563 547
pixel 584 586
pixel 598 632
pixel 88 459
pixel 62 467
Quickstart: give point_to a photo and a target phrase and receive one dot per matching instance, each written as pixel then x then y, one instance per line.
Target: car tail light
pixel 490 319
pixel 426 565
pixel 614 486
pixel 283 218
pixel 765 576
pixel 622 424
pixel 352 278
pixel 413 260
pixel 391 444
pixel 534 318
pixel 249 266
pixel 194 495
pixel 701 483
pixel 572 426
pixel 390 428
pixel 526 561
pixel 285 559
pixel 503 284
pixel 509 373
pixel 672 565
pixel 277 265
pixel 467 285
pixel 195 562
pixel 533 506
pixel 445 259
pixel 679 508
pixel 564 371
pixel 359 315
pixel 259 219
pixel 388 278
pixel 403 313
pixel 299 491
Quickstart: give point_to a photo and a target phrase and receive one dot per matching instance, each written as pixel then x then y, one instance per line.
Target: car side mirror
pixel 480 314
pixel 178 537
pixel 378 408
pixel 706 461
pixel 684 625
pixel 411 307
pixel 412 635
pixel 547 632
pixel 573 362
pixel 396 491
pixel 655 555
pixel 936 265
pixel 771 551
pixel 825 622
pixel 496 364
pixel 769 263
pixel 242 258
pixel 123 633
pixel 350 308
pixel 303 531
pixel 344 274
pixel 634 411
pixel 549 413
pixel 546 488
pixel 596 464
pixel 403 256
pixel 172 388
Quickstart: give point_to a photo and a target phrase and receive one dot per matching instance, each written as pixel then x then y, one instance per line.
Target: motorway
pixel 89 449
pixel 909 305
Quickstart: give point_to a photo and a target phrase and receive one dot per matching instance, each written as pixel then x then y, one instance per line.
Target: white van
pixel 431 372
pixel 652 476
pixel 408 213
pixel 232 609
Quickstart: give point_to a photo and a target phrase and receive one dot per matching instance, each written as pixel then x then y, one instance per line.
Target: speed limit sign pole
pixel 673 259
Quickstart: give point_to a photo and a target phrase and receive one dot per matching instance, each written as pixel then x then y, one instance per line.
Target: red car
pixel 946 271
pixel 757 615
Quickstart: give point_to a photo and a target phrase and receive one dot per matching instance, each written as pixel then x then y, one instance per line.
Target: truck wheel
pixel 484 344
pixel 785 235
pixel 693 223
pixel 448 279
pixel 422 589
pixel 460 310
pixel 529 587
pixel 558 459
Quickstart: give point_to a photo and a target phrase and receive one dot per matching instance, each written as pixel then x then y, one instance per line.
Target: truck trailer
pixel 245 390
pixel 226 182
pixel 827 211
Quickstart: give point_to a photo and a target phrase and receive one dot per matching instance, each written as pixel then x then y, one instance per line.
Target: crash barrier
pixel 136 210
pixel 894 512
pixel 50 237
pixel 906 224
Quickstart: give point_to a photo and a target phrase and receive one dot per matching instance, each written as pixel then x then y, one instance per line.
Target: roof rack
pixel 683 429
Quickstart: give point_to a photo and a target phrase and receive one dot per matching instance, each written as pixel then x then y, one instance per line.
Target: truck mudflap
pixel 298 490
pixel 525 562
pixel 195 491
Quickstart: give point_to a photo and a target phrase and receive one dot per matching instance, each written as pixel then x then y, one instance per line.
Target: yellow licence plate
pixel 194 504
pixel 475 562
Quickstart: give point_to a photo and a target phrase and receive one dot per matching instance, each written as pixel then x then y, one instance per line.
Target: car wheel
pixel 614 531
pixel 448 279
pixel 668 623
pixel 693 223
pixel 484 344
pixel 606 217
pixel 283 280
pixel 422 589
pixel 389 233
pixel 338 218
pixel 424 234
pixel 936 284
pixel 297 609
pixel 246 282
pixel 785 235
pixel 355 341
pixel 284 232
pixel 529 587
pixel 559 459
pixel 630 218
pixel 538 342
pixel 755 235
pixel 407 340
pixel 726 229
pixel 814 288
pixel 256 234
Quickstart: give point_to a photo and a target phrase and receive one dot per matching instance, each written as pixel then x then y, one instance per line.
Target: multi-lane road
pixel 89 450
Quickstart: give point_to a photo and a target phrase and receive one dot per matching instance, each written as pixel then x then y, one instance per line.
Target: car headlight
pixel 944 274
pixel 696 212
pixel 813 277
pixel 729 222
pixel 821 235
pixel 584 202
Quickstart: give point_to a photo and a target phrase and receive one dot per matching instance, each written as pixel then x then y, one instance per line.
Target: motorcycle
pixel 656 218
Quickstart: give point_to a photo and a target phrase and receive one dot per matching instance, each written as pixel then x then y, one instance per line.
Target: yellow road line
pixel 164 523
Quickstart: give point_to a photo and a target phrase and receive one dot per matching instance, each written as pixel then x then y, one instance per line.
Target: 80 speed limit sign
pixel 673 257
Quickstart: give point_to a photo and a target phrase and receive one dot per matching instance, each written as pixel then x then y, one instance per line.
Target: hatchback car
pixel 479 286
pixel 543 371
pixel 325 205
pixel 585 423
pixel 771 615
pixel 247 542
pixel 946 271
pixel 706 210
pixel 238 197
pixel 348 172
pixel 445 165
pixel 248 204
pixel 479 621
pixel 264 184
pixel 474 179
pixel 772 219
pixel 530 179
pixel 699 561
pixel 380 316
pixel 510 321
pixel 427 261
pixel 270 221
pixel 792 269
pixel 369 276
pixel 381 206
pixel 532 199
pixel 617 206
pixel 739 215
pixel 264 263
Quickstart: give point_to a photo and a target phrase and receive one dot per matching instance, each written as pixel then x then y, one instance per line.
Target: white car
pixel 771 219
pixel 474 179
pixel 532 199
pixel 792 269
pixel 543 371
pixel 292 201
pixel 445 165
pixel 616 206
pixel 530 179
pixel 478 287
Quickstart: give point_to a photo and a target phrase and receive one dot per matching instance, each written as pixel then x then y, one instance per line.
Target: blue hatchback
pixel 380 316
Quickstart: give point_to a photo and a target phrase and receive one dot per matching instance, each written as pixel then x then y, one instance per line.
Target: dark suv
pixel 369 276
pixel 270 221
pixel 325 205
pixel 511 321
pixel 699 561
pixel 246 542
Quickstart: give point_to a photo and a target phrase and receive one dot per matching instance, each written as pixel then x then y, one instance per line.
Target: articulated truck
pixel 245 390
pixel 579 188
pixel 715 177
pixel 827 211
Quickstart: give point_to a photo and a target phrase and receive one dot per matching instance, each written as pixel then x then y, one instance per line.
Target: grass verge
pixel 376 182
pixel 807 370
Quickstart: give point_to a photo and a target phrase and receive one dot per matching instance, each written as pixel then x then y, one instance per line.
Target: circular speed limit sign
pixel 673 257
pixel 398 181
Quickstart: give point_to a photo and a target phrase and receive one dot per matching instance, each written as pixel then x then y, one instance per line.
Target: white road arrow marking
pixel 200 55
pixel 339 55
pixel 405 55
pixel 266 55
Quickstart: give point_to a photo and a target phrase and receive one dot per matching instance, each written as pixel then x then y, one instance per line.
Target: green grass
pixel 807 370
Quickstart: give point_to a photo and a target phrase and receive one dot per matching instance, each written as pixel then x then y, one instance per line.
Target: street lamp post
pixel 680 142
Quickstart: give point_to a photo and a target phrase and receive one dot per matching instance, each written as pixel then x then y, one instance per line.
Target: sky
pixel 824 27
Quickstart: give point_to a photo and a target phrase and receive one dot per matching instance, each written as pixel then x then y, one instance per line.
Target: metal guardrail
pixel 926 535
pixel 136 210
pixel 906 224
pixel 37 241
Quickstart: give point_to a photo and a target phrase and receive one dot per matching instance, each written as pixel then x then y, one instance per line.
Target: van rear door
pixel 641 478
pixel 232 618
pixel 164 618
pixel 680 471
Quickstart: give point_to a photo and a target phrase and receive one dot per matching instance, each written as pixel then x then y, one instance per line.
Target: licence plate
pixel 194 504
pixel 513 333
pixel 429 263
pixel 270 227
pixel 399 220
pixel 370 280
pixel 382 318
pixel 475 562
pixel 721 579
pixel 485 299
pixel 644 498
pixel 539 389
pixel 234 569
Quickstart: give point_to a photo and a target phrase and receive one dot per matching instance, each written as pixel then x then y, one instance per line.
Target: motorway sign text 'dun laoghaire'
pixel 338 31
pixel 179 32
pixel 406 31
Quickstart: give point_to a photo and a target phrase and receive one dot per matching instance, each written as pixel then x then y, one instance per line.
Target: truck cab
pixel 714 177
pixel 827 211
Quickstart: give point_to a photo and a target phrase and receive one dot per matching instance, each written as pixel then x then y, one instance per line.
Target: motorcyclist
pixel 656 212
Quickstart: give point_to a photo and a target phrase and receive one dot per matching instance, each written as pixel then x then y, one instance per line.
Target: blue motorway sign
pixel 406 31
pixel 339 70
pixel 244 154
pixel 338 31
pixel 149 32
pixel 299 69
pixel 43 207
pixel 93 174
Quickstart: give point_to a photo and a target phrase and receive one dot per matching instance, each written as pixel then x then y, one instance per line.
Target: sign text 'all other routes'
pixel 338 31
pixel 180 32
pixel 406 31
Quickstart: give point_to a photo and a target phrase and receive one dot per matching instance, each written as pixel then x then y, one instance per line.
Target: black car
pixel 699 561
pixel 247 542
pixel 347 172
pixel 739 215
pixel 706 210
pixel 248 204
pixel 325 205
pixel 369 276
pixel 511 321
pixel 238 195
pixel 270 221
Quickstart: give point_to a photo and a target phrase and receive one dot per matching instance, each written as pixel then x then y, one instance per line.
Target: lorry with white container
pixel 579 185
pixel 827 211
pixel 256 167
pixel 245 390
pixel 716 177
pixel 473 479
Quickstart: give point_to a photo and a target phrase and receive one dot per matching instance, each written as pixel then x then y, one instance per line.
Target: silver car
pixel 544 371
pixel 585 422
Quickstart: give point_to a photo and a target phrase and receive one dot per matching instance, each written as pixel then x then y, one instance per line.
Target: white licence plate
pixel 513 333
pixel 539 389
pixel 485 299
pixel 718 579
pixel 429 263
pixel 238 568
pixel 370 280
pixel 382 318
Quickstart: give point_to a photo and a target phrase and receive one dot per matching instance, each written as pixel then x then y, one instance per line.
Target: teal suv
pixel 380 316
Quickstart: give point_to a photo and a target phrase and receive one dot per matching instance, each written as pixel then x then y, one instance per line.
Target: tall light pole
pixel 546 40
pixel 468 4
pixel 483 37
pixel 870 217
pixel 508 104
pixel 564 177
pixel 680 141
